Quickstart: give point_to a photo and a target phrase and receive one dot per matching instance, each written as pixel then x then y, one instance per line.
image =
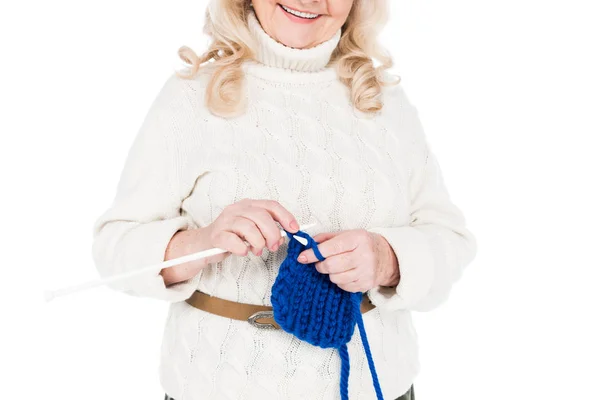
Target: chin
pixel 295 44
pixel 294 41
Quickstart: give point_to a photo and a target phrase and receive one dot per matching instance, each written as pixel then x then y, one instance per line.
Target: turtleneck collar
pixel 274 54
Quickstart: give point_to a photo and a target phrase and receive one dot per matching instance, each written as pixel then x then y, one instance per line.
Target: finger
pixel 336 264
pixel 336 245
pixel 352 287
pixel 231 242
pixel 265 224
pixel 279 213
pixel 246 229
pixel 344 278
pixel 321 237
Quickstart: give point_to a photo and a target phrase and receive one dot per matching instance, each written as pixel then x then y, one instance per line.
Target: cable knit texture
pixel 302 144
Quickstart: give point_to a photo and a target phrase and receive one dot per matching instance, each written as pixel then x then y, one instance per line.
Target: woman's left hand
pixel 356 260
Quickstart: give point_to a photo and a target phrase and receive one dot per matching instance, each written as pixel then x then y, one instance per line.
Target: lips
pixel 299 14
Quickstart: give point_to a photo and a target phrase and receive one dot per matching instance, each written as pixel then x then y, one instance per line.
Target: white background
pixel 509 95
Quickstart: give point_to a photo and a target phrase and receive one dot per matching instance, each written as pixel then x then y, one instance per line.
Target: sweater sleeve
pixel 435 247
pixel 135 230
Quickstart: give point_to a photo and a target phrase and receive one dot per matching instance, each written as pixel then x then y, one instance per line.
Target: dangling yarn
pixel 312 308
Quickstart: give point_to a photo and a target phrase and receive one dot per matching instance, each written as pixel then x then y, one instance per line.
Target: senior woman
pixel 283 121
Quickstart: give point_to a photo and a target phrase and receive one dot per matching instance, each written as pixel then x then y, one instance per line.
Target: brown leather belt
pixel 259 316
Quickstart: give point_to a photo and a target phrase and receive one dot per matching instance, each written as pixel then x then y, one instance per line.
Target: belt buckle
pixel 261 314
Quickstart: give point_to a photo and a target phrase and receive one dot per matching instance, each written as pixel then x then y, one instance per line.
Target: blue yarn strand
pixel 345 372
pixel 363 336
pixel 308 305
pixel 315 246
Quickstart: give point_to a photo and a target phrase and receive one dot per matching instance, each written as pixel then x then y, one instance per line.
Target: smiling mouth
pixel 299 14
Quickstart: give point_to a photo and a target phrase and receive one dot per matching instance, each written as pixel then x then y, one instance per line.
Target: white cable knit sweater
pixel 299 143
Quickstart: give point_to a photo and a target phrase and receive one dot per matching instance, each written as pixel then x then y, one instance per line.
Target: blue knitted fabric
pixel 308 305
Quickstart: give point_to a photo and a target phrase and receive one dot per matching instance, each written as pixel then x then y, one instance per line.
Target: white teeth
pixel 299 14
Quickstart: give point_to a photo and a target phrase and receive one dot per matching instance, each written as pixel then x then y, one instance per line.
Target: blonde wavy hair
pixel 232 44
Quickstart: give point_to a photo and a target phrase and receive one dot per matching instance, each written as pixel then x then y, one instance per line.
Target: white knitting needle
pixel 51 294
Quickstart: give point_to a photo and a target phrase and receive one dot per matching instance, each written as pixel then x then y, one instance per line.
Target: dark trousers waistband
pixel 409 395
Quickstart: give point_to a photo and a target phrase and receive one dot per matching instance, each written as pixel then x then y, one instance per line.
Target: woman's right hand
pixel 247 219
pixel 253 221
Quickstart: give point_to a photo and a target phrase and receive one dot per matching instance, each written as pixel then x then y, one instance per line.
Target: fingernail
pixel 294 225
pixel 302 258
